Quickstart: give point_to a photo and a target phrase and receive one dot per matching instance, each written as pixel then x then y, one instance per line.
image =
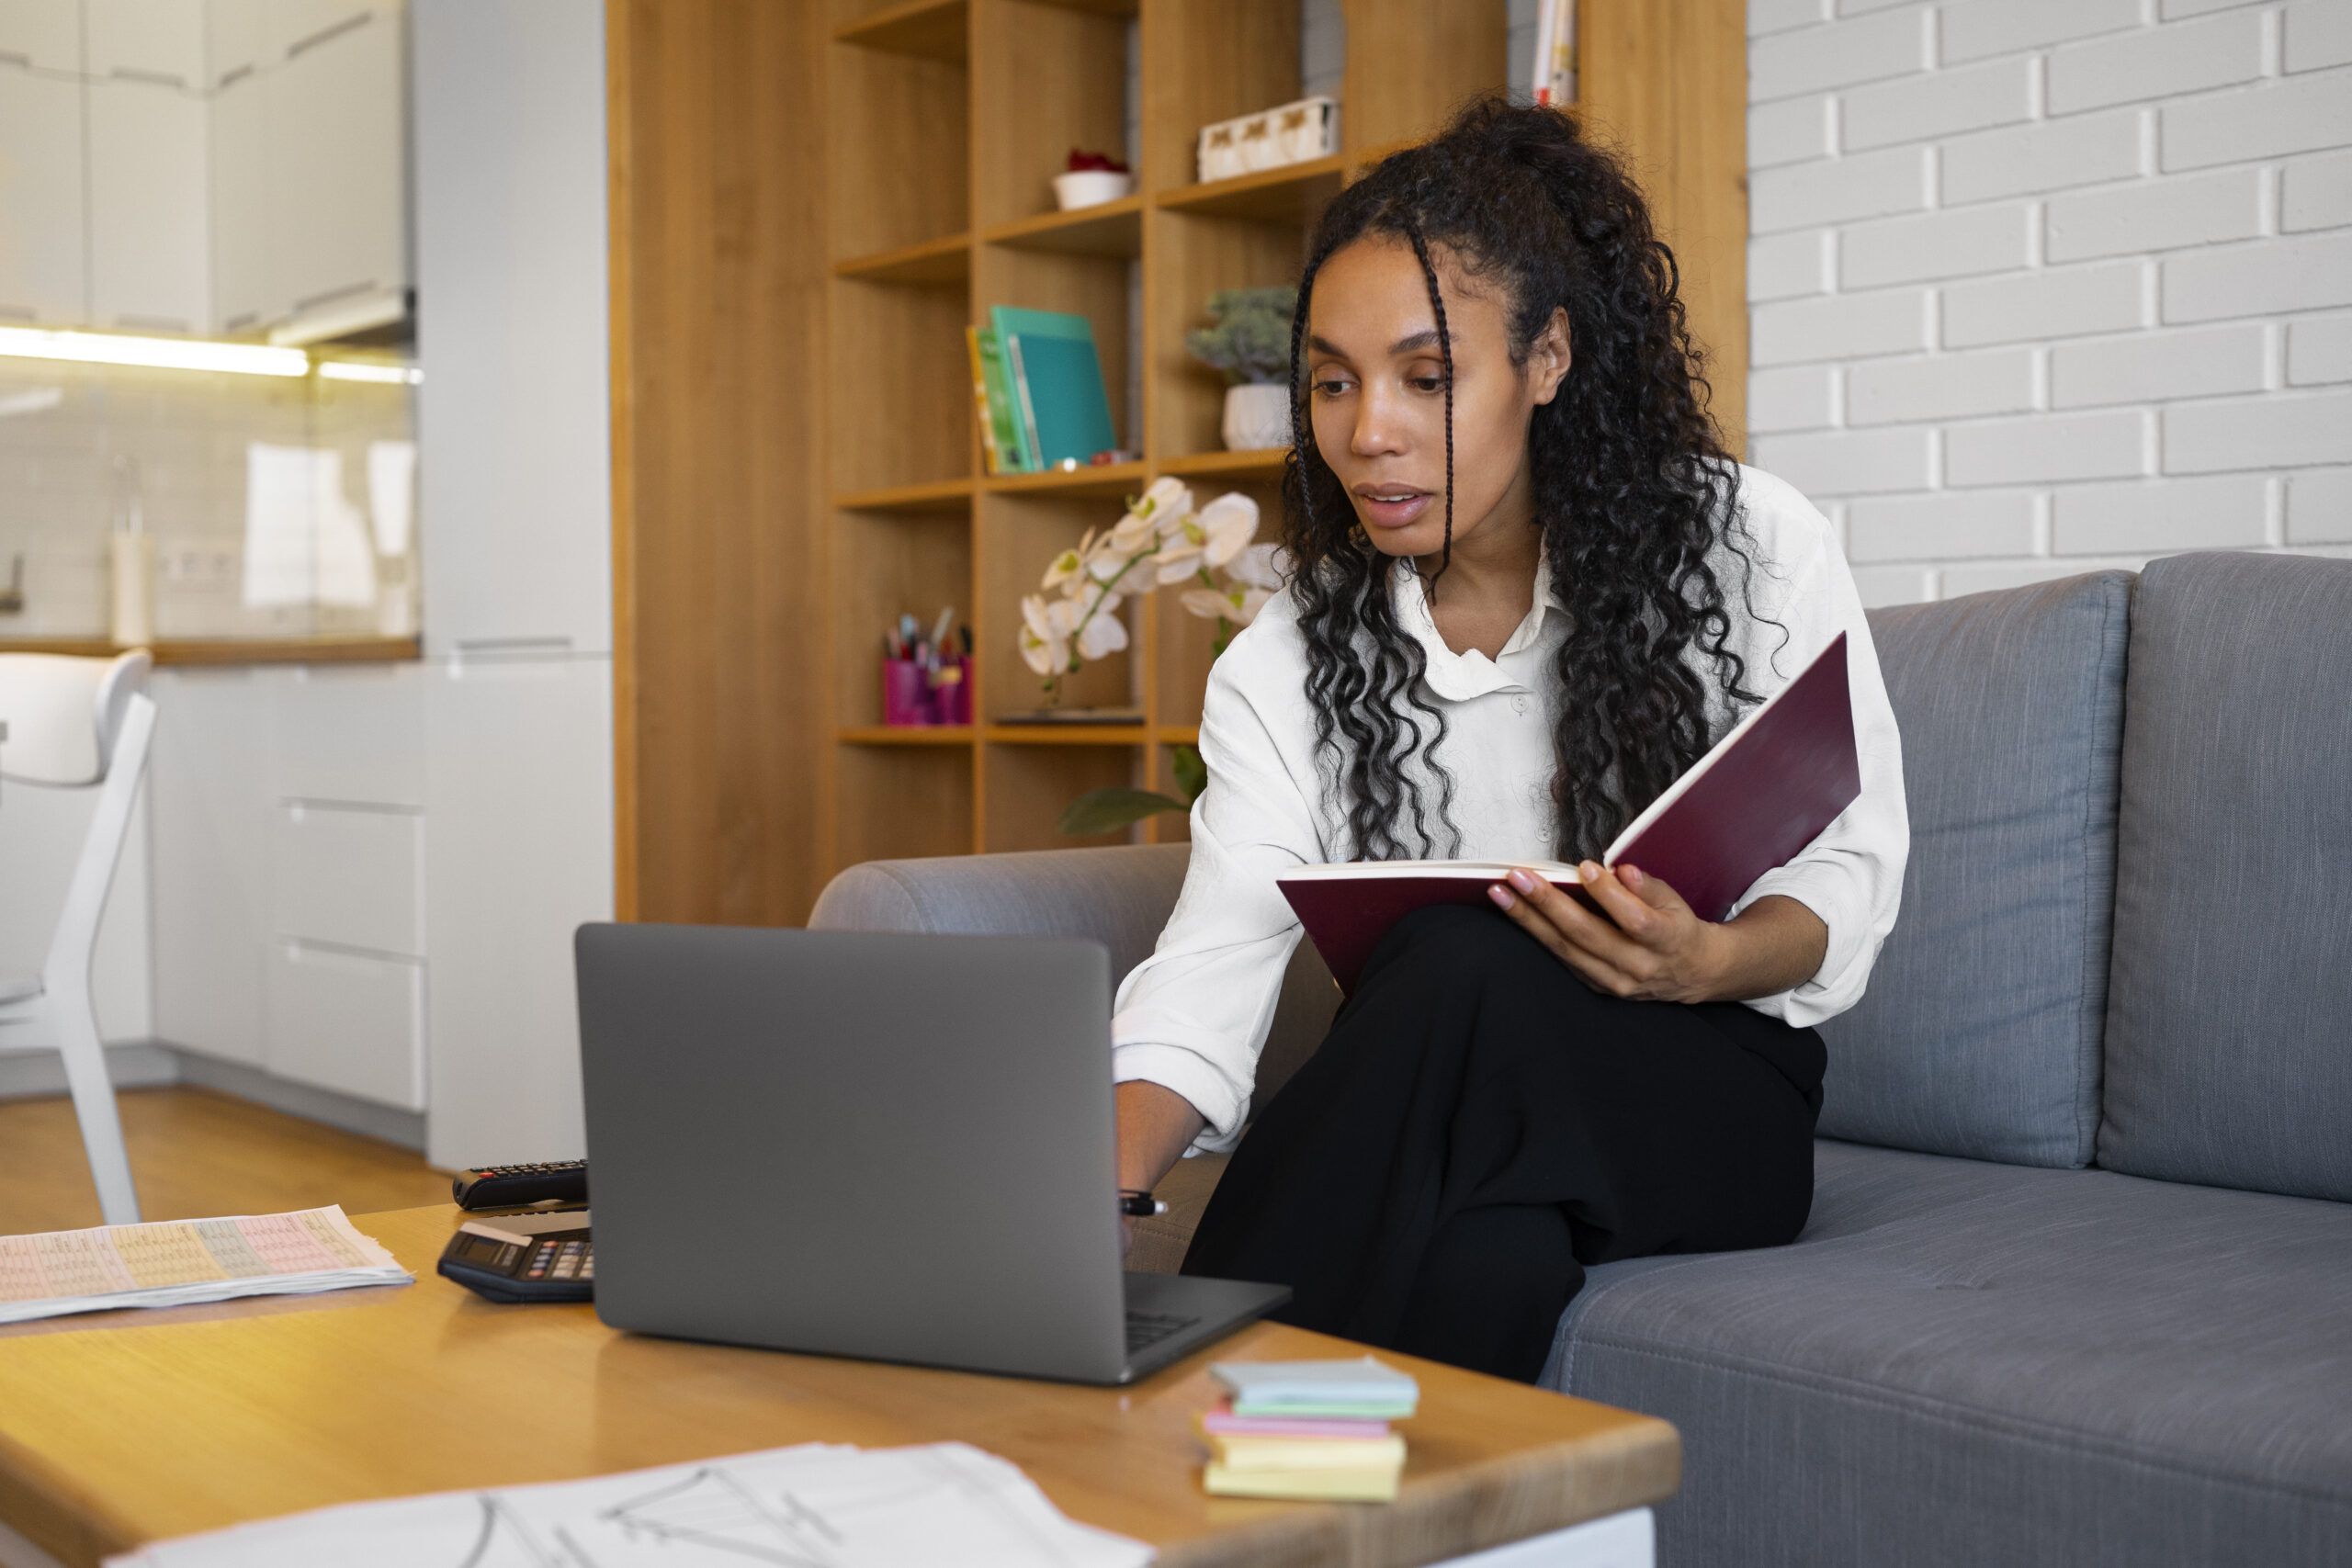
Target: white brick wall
pixel 2038 286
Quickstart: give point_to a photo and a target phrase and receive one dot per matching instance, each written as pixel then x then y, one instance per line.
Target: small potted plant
pixel 1248 340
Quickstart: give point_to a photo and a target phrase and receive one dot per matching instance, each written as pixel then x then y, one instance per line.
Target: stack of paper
pixel 174 1262
pixel 1316 1429
pixel 819 1506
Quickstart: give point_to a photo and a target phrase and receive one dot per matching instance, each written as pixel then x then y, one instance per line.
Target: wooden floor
pixel 195 1152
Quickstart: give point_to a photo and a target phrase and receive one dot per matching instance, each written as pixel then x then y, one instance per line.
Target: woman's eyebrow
pixel 1325 346
pixel 1425 338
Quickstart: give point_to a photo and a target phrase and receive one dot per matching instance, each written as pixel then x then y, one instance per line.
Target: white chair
pixel 78 724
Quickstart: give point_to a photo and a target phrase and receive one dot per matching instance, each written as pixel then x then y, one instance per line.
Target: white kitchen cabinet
pixel 514 413
pixel 352 1022
pixel 150 262
pixel 43 34
pixel 348 877
pixel 209 783
pixel 337 135
pixel 242 298
pixel 518 853
pixel 147 41
pixel 43 272
pixel 351 734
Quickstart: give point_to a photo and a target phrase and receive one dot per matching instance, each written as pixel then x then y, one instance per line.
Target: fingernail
pixel 1589 871
pixel 1524 880
pixel 1632 875
pixel 1501 895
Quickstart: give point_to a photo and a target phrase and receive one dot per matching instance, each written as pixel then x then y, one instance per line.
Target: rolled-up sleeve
pixel 1851 877
pixel 1194 1016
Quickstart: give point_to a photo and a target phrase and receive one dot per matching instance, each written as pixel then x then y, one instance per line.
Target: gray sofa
pixel 2077 1283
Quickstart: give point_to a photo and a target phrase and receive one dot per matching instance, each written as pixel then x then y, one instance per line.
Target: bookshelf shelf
pixel 948 120
pixel 906 735
pixel 1293 193
pixel 939 495
pixel 1107 480
pixel 927 29
pixel 1067 735
pixel 947 259
pixel 1114 229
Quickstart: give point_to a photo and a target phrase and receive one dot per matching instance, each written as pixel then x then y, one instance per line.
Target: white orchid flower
pixel 1036 618
pixel 1067 568
pixel 1104 634
pixel 1063 615
pixel 1134 533
pixel 1168 495
pixel 1108 559
pixel 1179 562
pixel 1227 525
pixel 1259 565
pixel 1206 603
pixel 1238 603
pixel 1042 647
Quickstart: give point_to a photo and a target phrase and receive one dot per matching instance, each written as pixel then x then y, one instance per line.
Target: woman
pixel 1528 590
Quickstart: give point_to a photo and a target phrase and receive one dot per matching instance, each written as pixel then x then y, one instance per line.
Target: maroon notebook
pixel 1764 792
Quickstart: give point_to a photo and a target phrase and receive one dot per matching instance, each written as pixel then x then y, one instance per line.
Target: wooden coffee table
pixel 125 1427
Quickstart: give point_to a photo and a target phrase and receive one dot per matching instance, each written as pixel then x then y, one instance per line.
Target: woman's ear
pixel 1548 358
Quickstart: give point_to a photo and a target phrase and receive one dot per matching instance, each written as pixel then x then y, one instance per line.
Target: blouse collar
pixel 1459 677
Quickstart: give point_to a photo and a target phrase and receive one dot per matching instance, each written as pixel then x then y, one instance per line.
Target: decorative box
pixel 1291 133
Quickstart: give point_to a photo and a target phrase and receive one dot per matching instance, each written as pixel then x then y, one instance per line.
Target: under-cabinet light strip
pixel 370 370
pixel 158 352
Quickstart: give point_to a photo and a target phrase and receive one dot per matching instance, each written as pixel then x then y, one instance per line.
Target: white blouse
pixel 1194 1015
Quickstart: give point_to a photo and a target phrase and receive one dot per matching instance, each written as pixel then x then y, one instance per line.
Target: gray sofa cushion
pixel 1980 1033
pixel 1964 1363
pixel 2229 1027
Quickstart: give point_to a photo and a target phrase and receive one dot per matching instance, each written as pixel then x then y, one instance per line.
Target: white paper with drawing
pixel 819 1506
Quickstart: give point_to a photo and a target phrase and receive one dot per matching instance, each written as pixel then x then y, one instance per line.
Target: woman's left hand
pixel 1646 944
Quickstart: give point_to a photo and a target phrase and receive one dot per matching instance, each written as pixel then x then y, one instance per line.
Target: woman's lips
pixel 1391 506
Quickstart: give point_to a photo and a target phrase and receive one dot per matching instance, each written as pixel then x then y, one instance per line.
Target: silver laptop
pixel 891 1146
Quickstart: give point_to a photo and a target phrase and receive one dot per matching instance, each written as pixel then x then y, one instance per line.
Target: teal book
pixel 1064 412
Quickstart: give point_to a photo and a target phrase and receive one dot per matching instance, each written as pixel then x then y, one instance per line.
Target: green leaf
pixel 1192 774
pixel 1105 810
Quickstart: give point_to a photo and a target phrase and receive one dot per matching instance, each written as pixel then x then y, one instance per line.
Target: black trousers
pixel 1479 1126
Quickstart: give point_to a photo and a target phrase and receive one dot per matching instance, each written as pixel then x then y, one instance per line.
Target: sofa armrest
pixel 1120 897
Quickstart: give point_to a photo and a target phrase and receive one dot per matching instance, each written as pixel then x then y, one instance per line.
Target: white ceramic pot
pixel 1091 188
pixel 1257 415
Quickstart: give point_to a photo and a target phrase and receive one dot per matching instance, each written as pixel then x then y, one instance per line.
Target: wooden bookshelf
pixel 948 118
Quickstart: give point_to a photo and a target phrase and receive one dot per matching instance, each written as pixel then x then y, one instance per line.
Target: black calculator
pixel 525 1257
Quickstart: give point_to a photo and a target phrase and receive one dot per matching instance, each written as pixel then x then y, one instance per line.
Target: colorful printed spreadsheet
pixel 174 1262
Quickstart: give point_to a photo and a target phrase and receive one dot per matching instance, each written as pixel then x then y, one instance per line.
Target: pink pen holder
pixel 914 695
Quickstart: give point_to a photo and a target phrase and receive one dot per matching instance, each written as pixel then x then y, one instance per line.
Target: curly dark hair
pixel 1633 490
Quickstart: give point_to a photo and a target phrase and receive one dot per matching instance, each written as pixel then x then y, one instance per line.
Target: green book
pixel 1014 454
pixel 1063 411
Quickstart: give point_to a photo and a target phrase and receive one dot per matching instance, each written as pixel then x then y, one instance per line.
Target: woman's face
pixel 1377 395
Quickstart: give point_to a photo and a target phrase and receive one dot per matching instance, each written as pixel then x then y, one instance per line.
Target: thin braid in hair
pixel 1445 356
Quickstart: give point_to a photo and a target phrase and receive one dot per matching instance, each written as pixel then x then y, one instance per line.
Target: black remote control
pixel 512 1186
